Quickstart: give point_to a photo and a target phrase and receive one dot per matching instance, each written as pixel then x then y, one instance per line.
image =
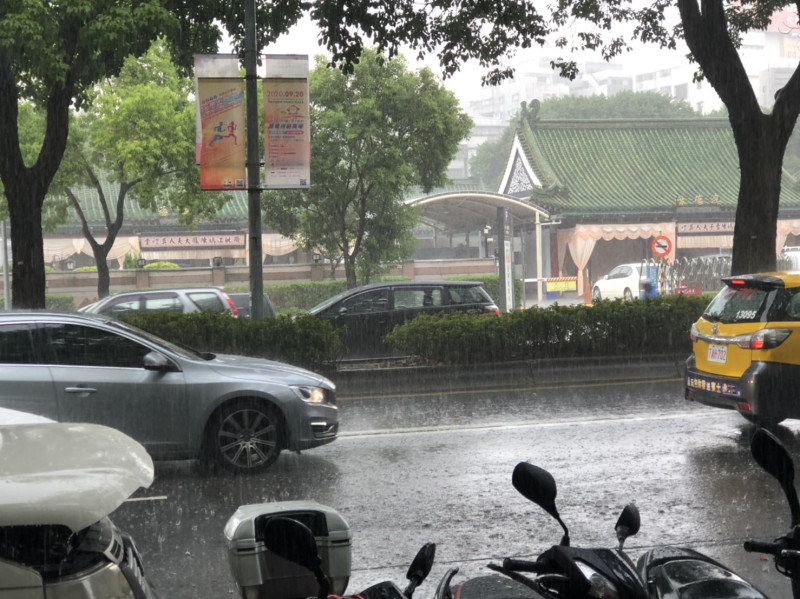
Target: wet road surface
pixel 437 467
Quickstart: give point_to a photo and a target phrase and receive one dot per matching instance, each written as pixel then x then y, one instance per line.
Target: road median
pixel 376 379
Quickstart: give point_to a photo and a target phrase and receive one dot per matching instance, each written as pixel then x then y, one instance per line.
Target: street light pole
pixel 253 164
pixel 6 282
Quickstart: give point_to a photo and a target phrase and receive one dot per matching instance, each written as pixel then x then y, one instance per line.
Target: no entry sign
pixel 661 246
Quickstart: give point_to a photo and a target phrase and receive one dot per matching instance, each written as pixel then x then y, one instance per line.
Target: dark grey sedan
pixel 239 412
pixel 365 315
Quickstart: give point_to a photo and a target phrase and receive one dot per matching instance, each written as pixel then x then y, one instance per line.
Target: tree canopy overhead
pixel 52 54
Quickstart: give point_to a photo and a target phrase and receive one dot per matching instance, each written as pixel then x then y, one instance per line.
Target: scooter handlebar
pixel 767 547
pixel 519 565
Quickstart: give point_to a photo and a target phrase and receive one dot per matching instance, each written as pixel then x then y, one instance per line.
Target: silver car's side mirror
pixel 158 362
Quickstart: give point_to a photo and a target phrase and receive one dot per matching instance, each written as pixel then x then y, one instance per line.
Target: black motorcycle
pixel 662 573
pixel 562 571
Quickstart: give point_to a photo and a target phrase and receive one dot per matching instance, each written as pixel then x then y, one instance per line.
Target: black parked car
pixel 366 314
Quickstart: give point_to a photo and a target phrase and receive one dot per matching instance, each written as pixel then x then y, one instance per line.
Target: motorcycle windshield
pixel 66 473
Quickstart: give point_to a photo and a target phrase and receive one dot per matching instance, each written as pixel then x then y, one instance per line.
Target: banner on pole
pixel 287 133
pixel 215 66
pixel 222 156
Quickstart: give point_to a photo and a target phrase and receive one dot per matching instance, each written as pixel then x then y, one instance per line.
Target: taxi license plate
pixel 718 353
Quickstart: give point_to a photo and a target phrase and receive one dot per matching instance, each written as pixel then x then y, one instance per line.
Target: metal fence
pixel 692 276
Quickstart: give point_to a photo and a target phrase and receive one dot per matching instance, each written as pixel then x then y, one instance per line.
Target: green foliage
pixel 378 131
pixel 129 262
pixel 658 325
pixel 53 303
pixel 491 283
pixel 86 269
pixel 304 341
pixel 161 265
pixel 59 303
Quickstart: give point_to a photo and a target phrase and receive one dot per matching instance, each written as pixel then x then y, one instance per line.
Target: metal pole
pixel 6 283
pixel 539 268
pixel 253 163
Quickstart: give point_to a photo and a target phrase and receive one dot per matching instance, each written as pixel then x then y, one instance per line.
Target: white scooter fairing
pixel 58 483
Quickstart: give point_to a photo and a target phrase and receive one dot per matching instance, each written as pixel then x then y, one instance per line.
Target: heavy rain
pixel 437 468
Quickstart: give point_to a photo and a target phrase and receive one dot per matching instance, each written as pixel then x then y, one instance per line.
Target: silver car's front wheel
pixel 245 436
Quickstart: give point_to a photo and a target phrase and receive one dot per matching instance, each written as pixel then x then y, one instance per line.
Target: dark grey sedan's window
pixel 417 298
pixel 74 345
pixel 371 301
pixel 466 295
pixel 16 345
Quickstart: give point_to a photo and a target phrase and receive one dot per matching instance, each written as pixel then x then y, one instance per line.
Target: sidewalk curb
pixel 375 382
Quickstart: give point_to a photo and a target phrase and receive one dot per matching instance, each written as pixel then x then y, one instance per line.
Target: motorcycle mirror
pixel 539 486
pixel 420 567
pixel 627 524
pixel 293 541
pixel 772 456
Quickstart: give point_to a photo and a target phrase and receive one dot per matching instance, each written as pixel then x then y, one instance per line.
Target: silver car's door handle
pixel 85 390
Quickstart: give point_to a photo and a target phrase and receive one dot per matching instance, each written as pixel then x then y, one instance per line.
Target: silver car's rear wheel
pixel 627 295
pixel 245 436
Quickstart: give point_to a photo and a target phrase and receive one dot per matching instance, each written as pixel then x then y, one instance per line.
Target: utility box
pixel 260 574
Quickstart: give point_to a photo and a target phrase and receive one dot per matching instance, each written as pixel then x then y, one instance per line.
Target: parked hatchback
pixel 364 315
pixel 746 348
pixel 184 300
pixel 180 404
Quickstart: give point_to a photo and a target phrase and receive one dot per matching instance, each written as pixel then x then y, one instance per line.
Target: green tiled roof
pixel 615 166
pixel 233 212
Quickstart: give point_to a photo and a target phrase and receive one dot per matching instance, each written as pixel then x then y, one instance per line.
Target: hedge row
pixel 54 303
pixel 608 328
pixel 303 341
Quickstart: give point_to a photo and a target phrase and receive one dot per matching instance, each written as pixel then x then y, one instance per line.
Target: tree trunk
pixel 103 277
pixel 25 187
pixel 350 271
pixel 760 164
pixel 27 247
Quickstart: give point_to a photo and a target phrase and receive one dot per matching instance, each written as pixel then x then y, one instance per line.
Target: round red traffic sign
pixel 661 246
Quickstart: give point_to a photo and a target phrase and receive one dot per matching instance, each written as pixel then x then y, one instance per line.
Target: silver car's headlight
pixel 309 394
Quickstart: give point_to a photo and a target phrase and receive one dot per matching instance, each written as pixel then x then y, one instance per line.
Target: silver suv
pixel 185 300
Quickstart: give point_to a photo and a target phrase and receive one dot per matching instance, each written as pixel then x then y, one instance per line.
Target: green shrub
pixel 491 283
pixel 304 341
pixel 53 303
pixel 658 325
pixel 86 269
pixel 161 265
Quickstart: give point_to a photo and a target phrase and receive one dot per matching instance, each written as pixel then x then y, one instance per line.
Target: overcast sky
pixel 302 39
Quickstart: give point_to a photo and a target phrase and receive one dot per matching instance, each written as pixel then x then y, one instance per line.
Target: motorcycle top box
pixel 261 574
pixel 60 482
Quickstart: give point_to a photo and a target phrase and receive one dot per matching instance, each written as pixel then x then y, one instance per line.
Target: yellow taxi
pixel 746 348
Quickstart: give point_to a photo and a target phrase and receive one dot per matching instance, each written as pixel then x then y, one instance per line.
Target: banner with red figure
pixel 222 156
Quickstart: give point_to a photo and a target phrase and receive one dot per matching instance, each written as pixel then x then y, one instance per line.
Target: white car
pixel 623 282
